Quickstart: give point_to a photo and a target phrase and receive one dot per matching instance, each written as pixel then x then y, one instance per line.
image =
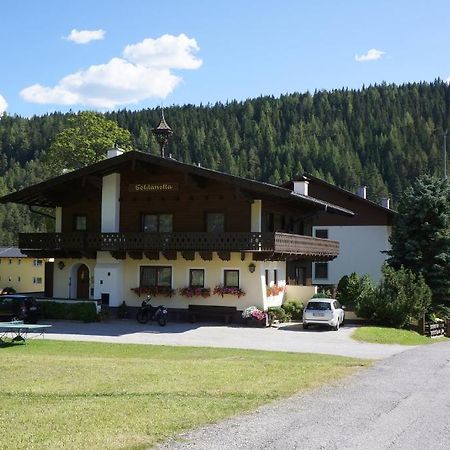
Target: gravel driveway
pixel 290 337
pixel 403 402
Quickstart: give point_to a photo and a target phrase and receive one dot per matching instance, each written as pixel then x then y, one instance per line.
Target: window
pixel 322 234
pixel 18 279
pixel 19 261
pixel 321 270
pixel 275 276
pixel 196 278
pixel 215 222
pixel 231 278
pixel 80 223
pixel 10 261
pixel 154 223
pixel 37 280
pixel 267 277
pixel 156 276
pixel 269 222
pixel 37 262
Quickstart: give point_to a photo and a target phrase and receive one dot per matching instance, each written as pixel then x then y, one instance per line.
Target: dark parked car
pixel 22 307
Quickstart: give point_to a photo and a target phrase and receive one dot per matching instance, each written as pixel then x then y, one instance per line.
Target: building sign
pixel 153 187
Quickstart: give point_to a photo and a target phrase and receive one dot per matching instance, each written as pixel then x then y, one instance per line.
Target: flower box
pixel 195 292
pixel 154 291
pixel 222 290
pixel 274 290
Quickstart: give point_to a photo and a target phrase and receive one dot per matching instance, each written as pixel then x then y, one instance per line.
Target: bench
pixel 225 312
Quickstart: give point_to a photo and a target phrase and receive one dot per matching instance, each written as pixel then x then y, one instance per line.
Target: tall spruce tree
pixel 421 236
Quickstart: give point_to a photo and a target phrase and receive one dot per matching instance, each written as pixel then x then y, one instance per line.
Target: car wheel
pixel 305 326
pixel 336 327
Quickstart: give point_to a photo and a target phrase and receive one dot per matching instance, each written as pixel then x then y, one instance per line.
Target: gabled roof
pixel 309 177
pixel 39 194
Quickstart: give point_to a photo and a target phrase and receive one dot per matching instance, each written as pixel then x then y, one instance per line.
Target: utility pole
pixel 445 154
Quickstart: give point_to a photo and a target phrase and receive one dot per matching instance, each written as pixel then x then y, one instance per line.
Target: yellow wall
pixel 129 269
pixel 21 274
pixel 300 293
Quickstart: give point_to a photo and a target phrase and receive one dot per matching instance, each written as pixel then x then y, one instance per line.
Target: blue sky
pixel 198 51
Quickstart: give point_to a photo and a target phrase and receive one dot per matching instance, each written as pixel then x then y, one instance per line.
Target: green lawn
pixel 80 395
pixel 381 335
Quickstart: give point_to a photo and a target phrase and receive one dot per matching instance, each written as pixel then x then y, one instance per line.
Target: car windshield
pixel 319 306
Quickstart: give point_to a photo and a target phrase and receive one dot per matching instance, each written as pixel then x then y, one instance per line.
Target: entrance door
pixel 83 282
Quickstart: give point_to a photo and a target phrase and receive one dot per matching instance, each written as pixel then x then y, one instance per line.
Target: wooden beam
pixel 169 254
pixel 151 254
pixel 120 254
pixel 224 256
pixel 188 255
pixel 206 256
pixel 242 256
pixel 135 254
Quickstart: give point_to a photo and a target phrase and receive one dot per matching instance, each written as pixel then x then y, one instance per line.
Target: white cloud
pixel 371 55
pixel 85 36
pixel 174 52
pixel 3 104
pixel 122 81
pixel 117 82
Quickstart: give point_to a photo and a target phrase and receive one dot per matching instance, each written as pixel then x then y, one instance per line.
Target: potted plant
pixel 254 317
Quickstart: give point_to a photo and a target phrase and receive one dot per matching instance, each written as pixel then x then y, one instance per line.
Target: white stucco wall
pixel 64 281
pixel 110 203
pixel 360 251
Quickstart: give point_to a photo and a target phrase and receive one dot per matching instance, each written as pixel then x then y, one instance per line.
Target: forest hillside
pixel 382 136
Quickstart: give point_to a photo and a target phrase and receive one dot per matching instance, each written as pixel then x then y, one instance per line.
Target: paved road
pixel 403 402
pixel 290 337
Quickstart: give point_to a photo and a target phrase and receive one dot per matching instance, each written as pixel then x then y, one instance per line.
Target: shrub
pixel 352 288
pixel 122 311
pixel 401 297
pixel 278 313
pixel 84 311
pixel 294 309
pixel 323 294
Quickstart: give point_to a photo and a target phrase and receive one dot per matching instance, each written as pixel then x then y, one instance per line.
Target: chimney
pixel 385 202
pixel 301 186
pixel 362 192
pixel 116 151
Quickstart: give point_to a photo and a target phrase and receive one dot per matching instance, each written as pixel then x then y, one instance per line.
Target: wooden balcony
pixel 264 245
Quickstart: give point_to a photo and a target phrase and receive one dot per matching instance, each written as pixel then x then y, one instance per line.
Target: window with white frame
pixel 197 278
pixel 156 276
pixel 231 278
pixel 321 233
pixel 37 262
pixel 37 280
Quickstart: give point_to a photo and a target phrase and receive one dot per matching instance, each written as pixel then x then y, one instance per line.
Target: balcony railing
pixel 181 241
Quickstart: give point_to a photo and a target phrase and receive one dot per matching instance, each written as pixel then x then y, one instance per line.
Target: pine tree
pixel 420 238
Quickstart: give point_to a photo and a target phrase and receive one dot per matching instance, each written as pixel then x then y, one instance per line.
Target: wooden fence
pixel 434 329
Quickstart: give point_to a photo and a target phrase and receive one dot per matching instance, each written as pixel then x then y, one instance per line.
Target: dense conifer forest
pixel 382 136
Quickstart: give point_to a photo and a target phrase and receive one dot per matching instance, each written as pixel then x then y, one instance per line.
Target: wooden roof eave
pixel 30 195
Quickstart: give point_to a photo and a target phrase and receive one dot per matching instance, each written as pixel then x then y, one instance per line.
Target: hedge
pixel 84 311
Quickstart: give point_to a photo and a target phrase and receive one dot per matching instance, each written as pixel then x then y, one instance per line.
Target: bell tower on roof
pixel 162 133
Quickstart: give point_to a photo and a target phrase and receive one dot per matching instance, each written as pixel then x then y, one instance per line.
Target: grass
pixel 83 395
pixel 382 335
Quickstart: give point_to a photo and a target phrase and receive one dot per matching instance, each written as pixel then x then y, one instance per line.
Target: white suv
pixel 323 311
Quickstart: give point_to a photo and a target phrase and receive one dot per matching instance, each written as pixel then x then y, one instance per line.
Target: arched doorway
pixel 83 281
